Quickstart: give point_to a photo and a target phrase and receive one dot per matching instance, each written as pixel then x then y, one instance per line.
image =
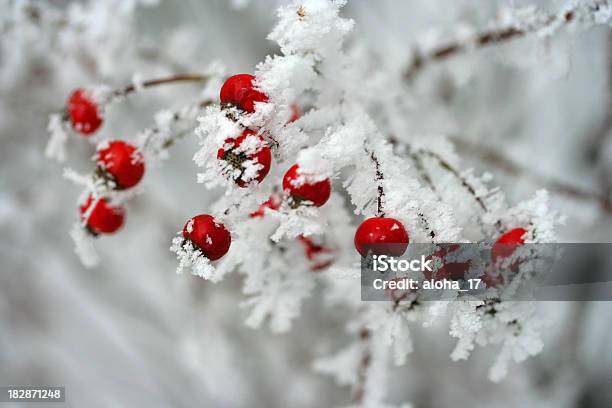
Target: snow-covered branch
pixel 524 22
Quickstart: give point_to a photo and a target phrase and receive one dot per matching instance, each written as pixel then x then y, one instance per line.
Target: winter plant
pixel 318 159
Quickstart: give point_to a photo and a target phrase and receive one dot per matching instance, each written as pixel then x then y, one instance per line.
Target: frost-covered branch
pixel 169 128
pixel 419 154
pixel 496 159
pixel 526 22
pixel 380 197
pixel 448 167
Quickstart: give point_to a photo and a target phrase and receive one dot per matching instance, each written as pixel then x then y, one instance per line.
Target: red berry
pixel 272 203
pixel 208 235
pixel 83 111
pixel 295 113
pixel 247 150
pixel 102 219
pixel 318 254
pixel 507 244
pixel 381 236
pixel 300 189
pixel 123 162
pixel 452 270
pixel 238 90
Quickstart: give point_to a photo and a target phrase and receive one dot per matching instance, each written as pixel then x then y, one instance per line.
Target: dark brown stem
pixel 418 164
pixel 495 158
pixel 414 155
pixel 489 38
pixel 364 366
pixel 403 148
pixel 464 182
pixel 430 233
pixel 160 81
pixel 380 212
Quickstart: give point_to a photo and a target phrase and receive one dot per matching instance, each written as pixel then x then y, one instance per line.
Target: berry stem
pixel 495 36
pixel 161 81
pixel 380 197
pixel 426 226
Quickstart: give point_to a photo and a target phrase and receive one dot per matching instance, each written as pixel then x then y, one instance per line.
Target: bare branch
pixel 160 81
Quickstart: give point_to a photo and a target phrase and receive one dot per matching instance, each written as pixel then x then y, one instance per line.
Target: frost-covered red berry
pixel 210 236
pixel 238 90
pixel 123 162
pixel 507 244
pixel 381 236
pixel 301 189
pixel 248 158
pixel 273 203
pixel 296 113
pixel 102 218
pixel 84 112
pixel 319 255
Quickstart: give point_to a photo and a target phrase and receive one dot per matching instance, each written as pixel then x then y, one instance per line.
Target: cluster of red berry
pixel 123 165
pixel 119 163
pixel 455 270
pixel 210 236
pixel 374 233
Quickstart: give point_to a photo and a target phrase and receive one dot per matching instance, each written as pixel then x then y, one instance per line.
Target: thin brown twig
pixel 444 164
pixel 497 159
pixel 418 164
pixel 396 144
pixel 407 149
pixel 160 81
pixel 489 38
pixel 380 197
pixel 464 182
pixel 118 93
pixel 364 366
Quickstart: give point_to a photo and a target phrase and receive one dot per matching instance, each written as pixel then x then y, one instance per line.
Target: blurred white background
pixel 133 333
